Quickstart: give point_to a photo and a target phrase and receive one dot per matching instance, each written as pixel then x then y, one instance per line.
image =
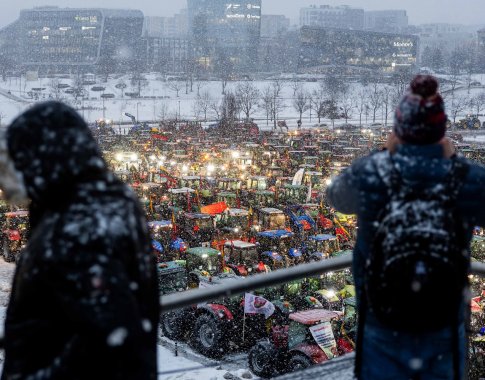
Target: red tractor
pixel 311 337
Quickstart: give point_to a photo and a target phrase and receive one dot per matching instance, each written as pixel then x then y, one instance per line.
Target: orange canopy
pixel 213 209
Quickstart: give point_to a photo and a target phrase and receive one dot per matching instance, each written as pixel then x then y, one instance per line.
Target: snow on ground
pixel 158 99
pixel 173 367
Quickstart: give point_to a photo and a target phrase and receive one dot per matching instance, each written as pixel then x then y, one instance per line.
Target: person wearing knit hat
pixel 420 117
pixel 418 167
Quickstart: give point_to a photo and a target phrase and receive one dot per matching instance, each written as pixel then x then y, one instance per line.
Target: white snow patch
pixel 117 337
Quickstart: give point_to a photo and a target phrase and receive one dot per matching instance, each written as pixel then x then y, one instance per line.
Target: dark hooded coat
pixel 84 302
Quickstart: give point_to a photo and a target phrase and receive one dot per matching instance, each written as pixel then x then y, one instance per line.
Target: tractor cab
pixel 229 198
pixel 182 199
pixel 318 247
pixel 234 222
pixel 315 179
pixel 255 183
pixel 275 171
pixel 172 277
pixel 243 258
pixel 228 184
pixel 196 229
pixel 202 262
pixel 263 198
pixel 276 249
pixel 267 218
pixel 293 194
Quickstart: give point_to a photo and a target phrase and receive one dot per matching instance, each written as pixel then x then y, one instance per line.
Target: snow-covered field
pixel 159 99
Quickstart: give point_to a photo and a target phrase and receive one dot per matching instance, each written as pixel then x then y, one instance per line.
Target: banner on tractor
pixel 323 335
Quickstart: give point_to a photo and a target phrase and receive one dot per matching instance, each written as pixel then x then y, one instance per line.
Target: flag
pixel 258 305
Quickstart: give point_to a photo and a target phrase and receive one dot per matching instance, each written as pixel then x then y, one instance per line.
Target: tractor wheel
pixel 172 326
pixel 299 362
pixel 262 359
pixel 208 337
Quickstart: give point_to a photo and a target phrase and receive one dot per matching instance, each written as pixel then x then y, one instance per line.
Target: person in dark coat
pixel 84 301
pixel 421 153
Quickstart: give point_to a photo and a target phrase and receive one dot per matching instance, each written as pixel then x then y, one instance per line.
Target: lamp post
pixel 179 110
pixel 137 118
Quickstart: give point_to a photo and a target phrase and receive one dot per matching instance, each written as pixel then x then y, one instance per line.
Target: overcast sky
pixel 419 11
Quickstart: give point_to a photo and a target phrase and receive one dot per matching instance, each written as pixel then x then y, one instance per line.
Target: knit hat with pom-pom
pixel 420 117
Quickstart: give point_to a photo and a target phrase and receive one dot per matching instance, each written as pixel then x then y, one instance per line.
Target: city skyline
pixel 468 12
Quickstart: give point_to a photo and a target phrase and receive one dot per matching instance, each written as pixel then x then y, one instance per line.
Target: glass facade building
pixel 326 46
pixel 62 37
pixel 225 33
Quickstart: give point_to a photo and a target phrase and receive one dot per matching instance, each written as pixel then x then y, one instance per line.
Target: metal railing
pixel 177 301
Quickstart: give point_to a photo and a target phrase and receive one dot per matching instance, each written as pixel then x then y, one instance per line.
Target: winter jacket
pixel 362 190
pixel 84 302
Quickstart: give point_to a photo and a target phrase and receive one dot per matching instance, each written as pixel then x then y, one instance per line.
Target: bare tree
pixel 375 99
pixel 138 81
pixel 477 103
pixel 205 101
pixel 122 86
pixel 361 104
pixel 318 102
pixel 273 103
pixel 457 105
pixel 229 108
pixel 347 104
pixel 296 86
pixel 199 86
pixel 216 107
pixel 301 103
pixel 78 87
pixel 247 96
pixel 55 92
pixel 163 111
pixel 387 99
pixel 176 86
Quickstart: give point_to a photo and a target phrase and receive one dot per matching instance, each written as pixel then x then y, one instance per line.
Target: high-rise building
pixel 274 25
pixel 225 35
pixel 325 16
pixel 391 21
pixel 48 38
pixel 167 27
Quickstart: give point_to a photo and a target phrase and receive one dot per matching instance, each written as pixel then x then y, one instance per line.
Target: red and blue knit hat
pixel 420 117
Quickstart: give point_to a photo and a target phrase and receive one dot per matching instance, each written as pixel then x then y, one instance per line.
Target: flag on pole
pixel 258 305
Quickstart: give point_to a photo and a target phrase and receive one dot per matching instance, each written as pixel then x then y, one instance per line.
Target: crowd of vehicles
pixel 222 208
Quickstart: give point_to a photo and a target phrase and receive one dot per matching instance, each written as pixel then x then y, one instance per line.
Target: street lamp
pixel 179 110
pixel 137 118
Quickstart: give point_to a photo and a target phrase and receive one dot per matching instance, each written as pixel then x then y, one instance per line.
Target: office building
pixel 225 36
pixel 390 21
pixel 325 16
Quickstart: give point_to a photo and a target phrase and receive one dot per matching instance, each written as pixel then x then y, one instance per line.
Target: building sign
pixel 243 11
pixel 403 44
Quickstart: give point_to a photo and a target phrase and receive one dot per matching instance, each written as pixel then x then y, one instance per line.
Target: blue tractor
pixel 277 249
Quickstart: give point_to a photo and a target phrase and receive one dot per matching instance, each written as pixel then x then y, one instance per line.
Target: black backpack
pixel 417 272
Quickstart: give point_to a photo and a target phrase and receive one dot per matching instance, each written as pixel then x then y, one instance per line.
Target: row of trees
pixel 332 99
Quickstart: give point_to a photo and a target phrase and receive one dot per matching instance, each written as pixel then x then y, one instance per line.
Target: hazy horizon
pixel 468 12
